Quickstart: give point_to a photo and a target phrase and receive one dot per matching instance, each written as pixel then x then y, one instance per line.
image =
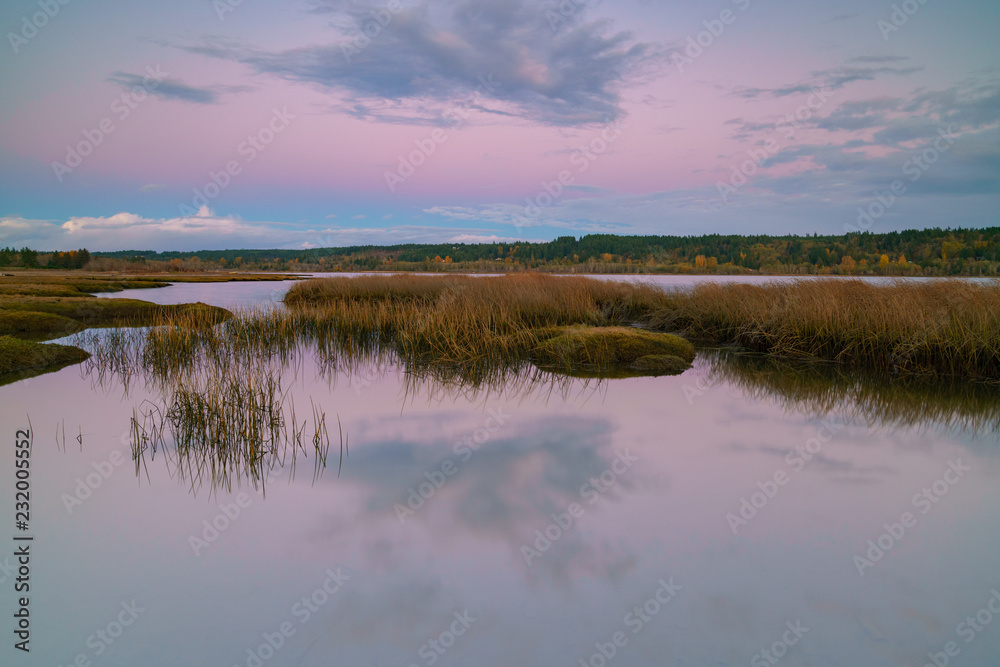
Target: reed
pixel 462 320
pixel 942 327
pixel 229 423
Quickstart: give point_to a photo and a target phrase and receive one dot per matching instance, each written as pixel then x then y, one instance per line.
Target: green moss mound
pixel 110 312
pixel 20 358
pixel 614 351
pixel 32 325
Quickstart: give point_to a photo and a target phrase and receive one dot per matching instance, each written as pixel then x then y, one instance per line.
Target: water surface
pixel 647 477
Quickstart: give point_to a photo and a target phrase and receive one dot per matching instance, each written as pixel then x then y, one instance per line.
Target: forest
pixel 927 252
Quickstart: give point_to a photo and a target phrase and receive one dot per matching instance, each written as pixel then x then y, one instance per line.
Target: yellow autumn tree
pixel 883 261
pixel 700 261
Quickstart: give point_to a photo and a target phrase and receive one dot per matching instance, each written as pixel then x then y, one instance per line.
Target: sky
pixel 212 124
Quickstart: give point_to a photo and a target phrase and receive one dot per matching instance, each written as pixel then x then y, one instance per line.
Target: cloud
pixel 173 89
pixel 152 187
pixel 431 54
pixel 832 79
pixel 13 228
pixel 209 231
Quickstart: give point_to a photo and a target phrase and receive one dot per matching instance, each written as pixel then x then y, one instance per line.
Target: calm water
pixel 558 519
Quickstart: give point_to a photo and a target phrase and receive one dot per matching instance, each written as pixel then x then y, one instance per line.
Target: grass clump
pixel 615 348
pixel 20 358
pixel 474 322
pixel 942 327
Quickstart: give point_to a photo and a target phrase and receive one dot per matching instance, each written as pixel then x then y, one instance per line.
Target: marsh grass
pixel 230 424
pixel 475 322
pixel 941 327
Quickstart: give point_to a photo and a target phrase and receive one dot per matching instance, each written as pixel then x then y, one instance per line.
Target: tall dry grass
pixel 942 327
pixel 463 319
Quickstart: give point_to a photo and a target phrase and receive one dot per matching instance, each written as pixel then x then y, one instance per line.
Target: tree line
pixel 935 252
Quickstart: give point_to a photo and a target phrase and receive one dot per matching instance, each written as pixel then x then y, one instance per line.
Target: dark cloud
pixel 565 72
pixel 172 89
